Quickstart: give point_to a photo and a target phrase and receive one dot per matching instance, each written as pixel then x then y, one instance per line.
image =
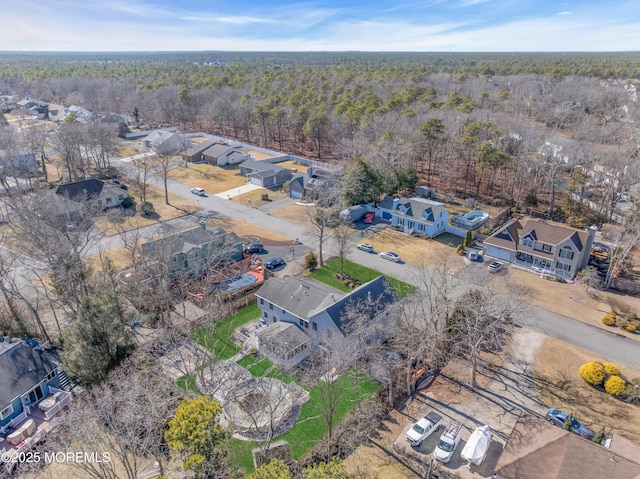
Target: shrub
pixel 310 261
pixel 615 385
pixel 609 319
pixel 633 326
pixel 265 197
pixel 127 202
pixel 593 373
pixel 460 250
pixel 611 369
pixel 599 436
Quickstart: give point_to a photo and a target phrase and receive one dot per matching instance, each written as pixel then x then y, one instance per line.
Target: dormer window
pixel 528 242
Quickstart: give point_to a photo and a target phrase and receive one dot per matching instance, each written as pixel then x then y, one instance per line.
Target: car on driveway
pixel 495 266
pixel 391 256
pixel 369 217
pixel 272 263
pixel 253 248
pixel 367 248
pixel 558 417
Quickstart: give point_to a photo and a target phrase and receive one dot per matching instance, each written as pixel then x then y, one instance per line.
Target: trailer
pixel 475 450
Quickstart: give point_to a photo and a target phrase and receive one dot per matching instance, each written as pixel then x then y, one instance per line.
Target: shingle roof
pixel 413 208
pixel 21 368
pixel 366 302
pixel 200 147
pixel 185 241
pixel 299 296
pixel 534 442
pixel 539 230
pixel 81 190
pixel 283 337
pixel 217 150
pixel 259 166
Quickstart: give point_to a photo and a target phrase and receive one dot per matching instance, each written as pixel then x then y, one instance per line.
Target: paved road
pixel 601 342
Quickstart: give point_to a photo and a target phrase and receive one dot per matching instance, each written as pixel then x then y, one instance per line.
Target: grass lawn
pixel 214 179
pixel 221 342
pixel 357 271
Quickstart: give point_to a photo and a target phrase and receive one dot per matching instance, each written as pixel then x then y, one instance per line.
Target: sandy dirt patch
pixel 559 385
pixel 568 299
pixel 213 179
pixel 178 206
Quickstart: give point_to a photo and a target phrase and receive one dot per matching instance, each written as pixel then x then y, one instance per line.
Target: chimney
pixel 396 203
pixel 310 172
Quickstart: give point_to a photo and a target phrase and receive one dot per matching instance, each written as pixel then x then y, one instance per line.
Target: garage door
pixel 498 253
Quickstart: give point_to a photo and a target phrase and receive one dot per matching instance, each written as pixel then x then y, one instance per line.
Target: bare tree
pixel 480 322
pixel 342 235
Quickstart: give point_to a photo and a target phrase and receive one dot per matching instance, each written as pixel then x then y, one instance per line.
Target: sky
pixel 329 25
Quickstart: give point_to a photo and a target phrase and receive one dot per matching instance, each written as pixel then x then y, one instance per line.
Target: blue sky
pixel 276 25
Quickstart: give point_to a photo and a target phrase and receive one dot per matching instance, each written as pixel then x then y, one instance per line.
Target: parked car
pixel 272 263
pixel 473 256
pixel 253 248
pixel 369 217
pixel 391 256
pixel 423 429
pixel 495 266
pixel 197 191
pixel 448 442
pixel 558 417
pixel 367 248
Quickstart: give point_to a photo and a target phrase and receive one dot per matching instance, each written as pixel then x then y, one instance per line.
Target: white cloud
pixel 566 12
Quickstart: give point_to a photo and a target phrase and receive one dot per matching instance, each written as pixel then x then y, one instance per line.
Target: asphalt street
pixel 603 343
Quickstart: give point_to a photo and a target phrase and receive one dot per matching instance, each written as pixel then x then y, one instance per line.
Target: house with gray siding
pixel 220 154
pixel 327 316
pixel 265 174
pixel 542 246
pixel 193 250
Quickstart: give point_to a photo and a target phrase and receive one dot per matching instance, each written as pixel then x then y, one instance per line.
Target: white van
pixel 197 191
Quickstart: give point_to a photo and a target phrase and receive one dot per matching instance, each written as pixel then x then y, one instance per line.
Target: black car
pixel 272 263
pixel 253 248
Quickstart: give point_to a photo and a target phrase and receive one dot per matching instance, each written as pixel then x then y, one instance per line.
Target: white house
pixel 416 215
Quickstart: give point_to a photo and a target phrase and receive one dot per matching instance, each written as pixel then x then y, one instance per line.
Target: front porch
pixel 540 265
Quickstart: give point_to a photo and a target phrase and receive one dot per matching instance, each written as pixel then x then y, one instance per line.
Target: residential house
pixel 192 251
pixel 194 153
pixel 222 155
pixel 99 193
pixel 326 316
pixel 537 449
pixel 167 142
pixel 265 174
pixel 30 395
pixel 18 163
pixel 310 184
pixel 415 215
pixel 58 114
pixel 26 103
pixel 542 246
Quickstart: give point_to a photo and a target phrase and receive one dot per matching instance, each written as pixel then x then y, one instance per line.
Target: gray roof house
pixel 193 250
pixel 327 316
pixel 18 163
pixel 30 395
pixel 265 174
pixel 417 215
pixel 101 193
pixel 221 155
pixel 167 142
pixel 194 153
pixel 310 184
pixel 542 246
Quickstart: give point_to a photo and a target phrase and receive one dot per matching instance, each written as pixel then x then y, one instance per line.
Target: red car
pixel 369 217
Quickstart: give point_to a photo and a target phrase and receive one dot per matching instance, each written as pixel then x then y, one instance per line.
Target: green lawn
pixel 221 342
pixel 364 274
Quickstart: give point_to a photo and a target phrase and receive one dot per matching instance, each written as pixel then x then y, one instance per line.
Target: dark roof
pixel 21 368
pixel 534 442
pixel 199 147
pixel 81 190
pixel 299 296
pixel 539 230
pixel 259 166
pixel 367 301
pixel 217 150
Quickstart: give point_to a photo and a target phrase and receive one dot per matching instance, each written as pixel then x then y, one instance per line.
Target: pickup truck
pixel 423 428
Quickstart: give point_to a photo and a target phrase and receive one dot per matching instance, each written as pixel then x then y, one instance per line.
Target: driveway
pixel 506 393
